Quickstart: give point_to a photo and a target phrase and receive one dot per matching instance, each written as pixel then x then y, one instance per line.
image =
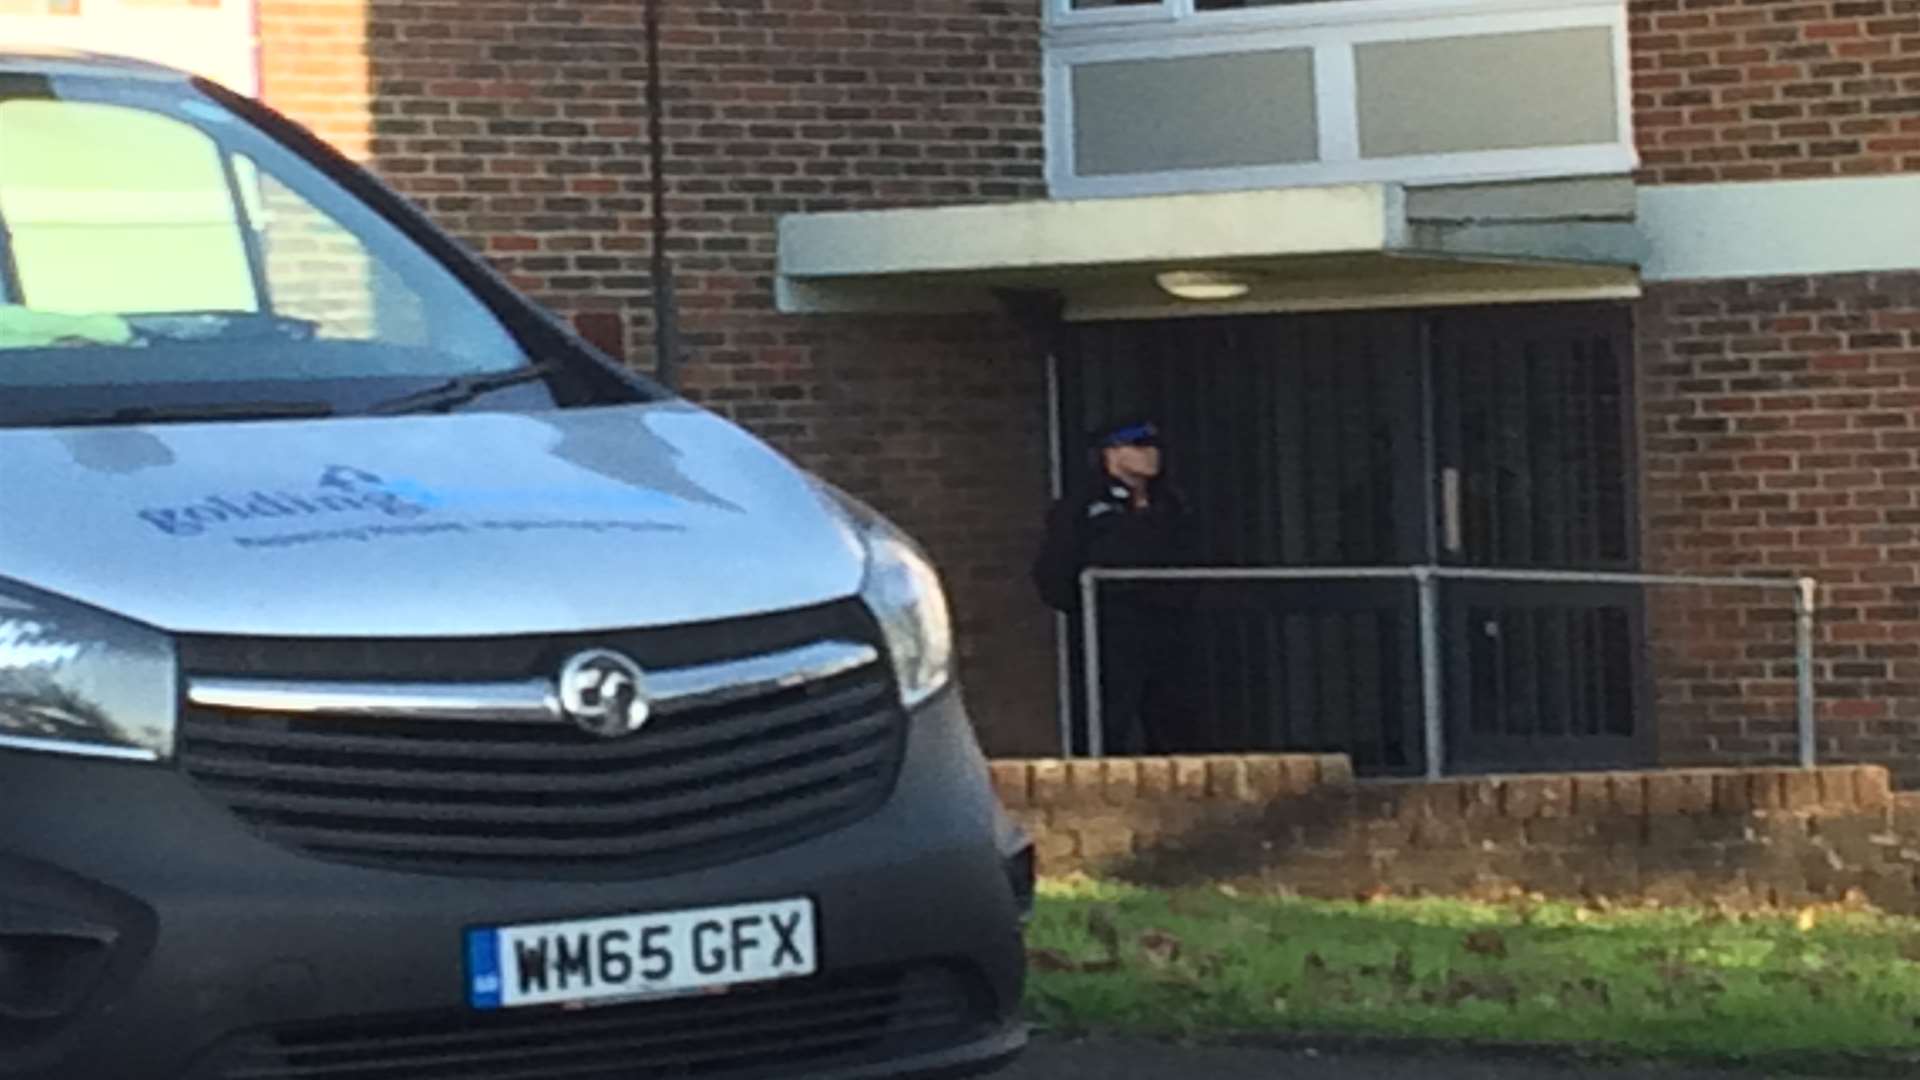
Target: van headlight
pixel 903 591
pixel 74 680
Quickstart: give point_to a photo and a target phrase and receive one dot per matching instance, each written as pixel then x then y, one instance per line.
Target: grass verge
pixel 1675 982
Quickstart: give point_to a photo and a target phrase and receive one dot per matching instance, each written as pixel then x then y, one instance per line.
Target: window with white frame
pixel 1167 96
pixel 1097 12
pixel 1196 5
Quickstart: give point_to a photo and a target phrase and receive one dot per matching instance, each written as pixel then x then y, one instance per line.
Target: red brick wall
pixel 786 106
pixel 521 127
pixel 1733 90
pixel 1778 413
pixel 1780 436
pixel 941 423
pixel 1742 836
pixel 314 67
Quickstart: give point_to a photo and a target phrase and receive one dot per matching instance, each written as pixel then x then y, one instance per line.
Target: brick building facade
pixel 1755 92
pixel 1775 412
pixel 1775 396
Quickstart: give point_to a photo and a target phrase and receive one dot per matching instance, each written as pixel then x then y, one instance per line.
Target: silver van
pixel 392 687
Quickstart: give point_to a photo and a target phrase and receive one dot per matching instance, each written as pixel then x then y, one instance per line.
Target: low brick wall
pixel 1748 836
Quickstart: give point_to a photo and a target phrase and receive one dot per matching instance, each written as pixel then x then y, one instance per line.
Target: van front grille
pixel 702 786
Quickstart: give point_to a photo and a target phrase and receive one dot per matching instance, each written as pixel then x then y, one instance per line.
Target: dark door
pixel 1489 438
pixel 1533 459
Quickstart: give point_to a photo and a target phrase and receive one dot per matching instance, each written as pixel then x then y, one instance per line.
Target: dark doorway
pixel 1495 437
pixel 1534 467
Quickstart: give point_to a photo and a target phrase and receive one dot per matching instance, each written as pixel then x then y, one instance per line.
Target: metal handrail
pixel 1426 579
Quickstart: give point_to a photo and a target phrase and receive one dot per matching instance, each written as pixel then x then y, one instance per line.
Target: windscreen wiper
pixel 225 410
pixel 459 391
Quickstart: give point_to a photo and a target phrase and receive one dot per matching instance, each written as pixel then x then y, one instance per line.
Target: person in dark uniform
pixel 1126 515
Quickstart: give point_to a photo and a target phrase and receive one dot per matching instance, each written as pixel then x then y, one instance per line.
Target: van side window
pixel 112 209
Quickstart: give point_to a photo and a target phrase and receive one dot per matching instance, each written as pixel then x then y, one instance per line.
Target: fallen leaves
pixel 1053 961
pixel 1402 975
pixel 1486 943
pixel 1720 977
pixel 1587 993
pixel 1156 950
pixel 1496 988
pixel 1100 924
pixel 1105 931
pixel 1159 949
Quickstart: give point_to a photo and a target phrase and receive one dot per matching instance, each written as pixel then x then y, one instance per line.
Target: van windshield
pixel 156 246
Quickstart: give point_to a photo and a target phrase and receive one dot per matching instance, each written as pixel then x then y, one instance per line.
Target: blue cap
pixel 1132 433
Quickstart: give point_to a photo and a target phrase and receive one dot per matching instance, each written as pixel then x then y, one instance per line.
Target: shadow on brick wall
pixel 1743 836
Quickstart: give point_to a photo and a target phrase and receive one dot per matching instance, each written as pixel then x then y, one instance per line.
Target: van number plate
pixel 634 956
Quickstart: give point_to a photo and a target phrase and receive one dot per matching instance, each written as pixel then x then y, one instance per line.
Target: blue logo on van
pixel 342 489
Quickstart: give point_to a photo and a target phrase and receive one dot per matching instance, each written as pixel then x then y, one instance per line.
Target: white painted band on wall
pixel 1779 228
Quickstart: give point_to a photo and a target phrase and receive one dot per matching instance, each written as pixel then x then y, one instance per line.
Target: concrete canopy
pixel 1304 248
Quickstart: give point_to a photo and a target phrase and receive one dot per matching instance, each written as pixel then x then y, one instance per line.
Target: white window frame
pixel 1331 29
pixel 1062 14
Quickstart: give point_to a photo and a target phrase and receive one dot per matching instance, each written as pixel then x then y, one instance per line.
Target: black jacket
pixel 1100 527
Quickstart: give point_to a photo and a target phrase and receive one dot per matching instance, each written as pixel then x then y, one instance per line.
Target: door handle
pixel 1450 530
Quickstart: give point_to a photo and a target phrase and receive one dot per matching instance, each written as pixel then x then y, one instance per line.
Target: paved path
pixel 1104 1060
